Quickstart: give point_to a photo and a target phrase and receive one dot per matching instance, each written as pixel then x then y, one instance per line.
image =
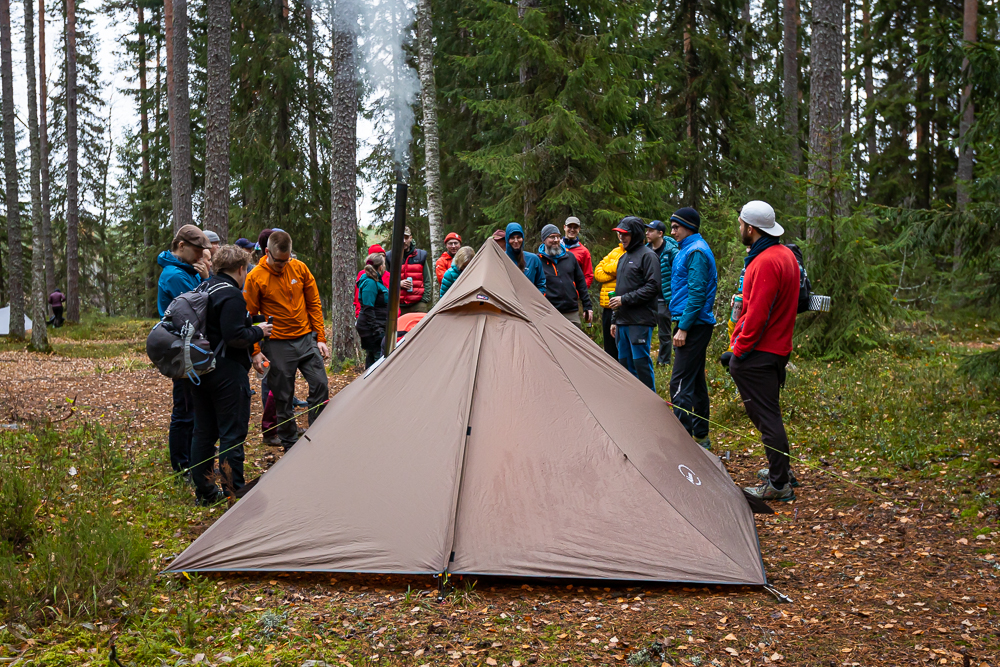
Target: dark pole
pixel 395 266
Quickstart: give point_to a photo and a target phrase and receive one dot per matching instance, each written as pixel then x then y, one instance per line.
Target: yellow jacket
pixel 606 272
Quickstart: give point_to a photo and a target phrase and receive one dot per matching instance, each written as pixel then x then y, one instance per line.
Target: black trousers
pixel 688 387
pixel 372 345
pixel 221 413
pixel 181 425
pixel 610 344
pixel 287 357
pixel 664 331
pixel 759 377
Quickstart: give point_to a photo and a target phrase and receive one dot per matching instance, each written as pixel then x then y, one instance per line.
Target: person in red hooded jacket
pixel 762 341
pixel 452 242
pixel 372 250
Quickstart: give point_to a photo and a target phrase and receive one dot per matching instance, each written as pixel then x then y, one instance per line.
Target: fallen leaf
pixel 729 638
pixel 731 651
pixel 491 662
pixel 775 657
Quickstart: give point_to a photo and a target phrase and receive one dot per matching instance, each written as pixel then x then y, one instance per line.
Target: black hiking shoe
pixel 209 501
pixel 764 476
pixel 767 491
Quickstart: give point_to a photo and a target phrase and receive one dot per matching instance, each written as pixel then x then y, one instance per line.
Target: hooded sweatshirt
pixel 176 278
pixel 582 256
pixel 637 280
pixel 532 265
pixel 565 283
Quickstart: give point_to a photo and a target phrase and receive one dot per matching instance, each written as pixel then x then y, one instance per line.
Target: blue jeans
pixel 633 352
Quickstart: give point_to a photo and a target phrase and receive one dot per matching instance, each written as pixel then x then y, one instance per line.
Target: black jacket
pixel 637 281
pixel 228 319
pixel 564 281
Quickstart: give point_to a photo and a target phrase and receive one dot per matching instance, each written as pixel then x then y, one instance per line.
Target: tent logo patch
pixel 482 297
pixel 689 475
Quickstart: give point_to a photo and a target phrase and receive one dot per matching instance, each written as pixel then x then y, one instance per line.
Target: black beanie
pixel 687 217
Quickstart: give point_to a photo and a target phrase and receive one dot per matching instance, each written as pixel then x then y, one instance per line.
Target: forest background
pixel 870 126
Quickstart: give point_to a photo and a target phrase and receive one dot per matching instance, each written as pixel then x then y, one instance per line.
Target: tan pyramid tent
pixel 498 439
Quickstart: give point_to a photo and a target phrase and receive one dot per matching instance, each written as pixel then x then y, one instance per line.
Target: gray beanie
pixel 549 230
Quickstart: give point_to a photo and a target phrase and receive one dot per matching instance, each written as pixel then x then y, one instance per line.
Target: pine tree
pixel 825 113
pixel 15 260
pixel 180 110
pixel 39 310
pixel 217 118
pixel 43 148
pixel 72 172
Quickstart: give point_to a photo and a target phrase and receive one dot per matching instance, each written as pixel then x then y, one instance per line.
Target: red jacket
pixel 583 258
pixel 357 299
pixel 442 265
pixel 770 302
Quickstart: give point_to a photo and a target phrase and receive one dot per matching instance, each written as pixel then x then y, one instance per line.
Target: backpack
pixel 177 345
pixel 805 287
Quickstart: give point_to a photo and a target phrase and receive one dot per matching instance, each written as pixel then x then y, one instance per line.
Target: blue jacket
pixel 176 278
pixel 532 265
pixel 693 282
pixel 667 254
pixel 450 276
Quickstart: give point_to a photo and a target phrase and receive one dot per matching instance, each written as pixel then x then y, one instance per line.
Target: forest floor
pixel 890 554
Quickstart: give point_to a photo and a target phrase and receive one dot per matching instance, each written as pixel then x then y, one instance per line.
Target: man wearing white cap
pixel 762 341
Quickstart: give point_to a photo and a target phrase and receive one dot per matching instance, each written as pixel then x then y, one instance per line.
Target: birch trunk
pixel 39 310
pixel 217 119
pixel 15 259
pixel 825 110
pixel 343 182
pixel 72 173
pixel 180 154
pixel 432 145
pixel 866 18
pixel 43 146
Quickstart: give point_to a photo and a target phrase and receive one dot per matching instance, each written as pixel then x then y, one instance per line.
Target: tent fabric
pixel 5 322
pixel 486 444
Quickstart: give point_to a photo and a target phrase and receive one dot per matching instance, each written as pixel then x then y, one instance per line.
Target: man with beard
pixel 565 284
pixel 637 283
pixel 762 341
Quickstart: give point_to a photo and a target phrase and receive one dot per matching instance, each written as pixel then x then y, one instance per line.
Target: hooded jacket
pixel 290 297
pixel 605 272
pixel 374 299
pixel 227 319
pixel 442 265
pixel 582 256
pixel 532 265
pixel 565 284
pixel 667 253
pixel 449 277
pixel 637 280
pixel 176 278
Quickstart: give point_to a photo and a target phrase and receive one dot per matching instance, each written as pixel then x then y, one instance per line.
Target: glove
pixel 726 357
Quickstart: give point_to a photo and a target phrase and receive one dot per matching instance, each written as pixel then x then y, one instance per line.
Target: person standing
pixel 222 398
pixel 666 249
pixel 373 295
pixel 375 249
pixel 213 239
pixel 283 288
pixel 762 341
pixel 462 259
pixel 565 285
pixel 571 239
pixel 414 278
pixel 526 261
pixel 637 282
pixel 58 301
pixel 185 266
pixel 605 273
pixel 452 242
pixel 693 283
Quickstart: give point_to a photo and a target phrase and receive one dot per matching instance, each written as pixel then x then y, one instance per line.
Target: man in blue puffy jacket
pixel 185 266
pixel 693 281
pixel 526 261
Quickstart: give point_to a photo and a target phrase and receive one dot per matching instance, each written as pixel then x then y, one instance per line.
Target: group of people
pixel 264 313
pixel 659 276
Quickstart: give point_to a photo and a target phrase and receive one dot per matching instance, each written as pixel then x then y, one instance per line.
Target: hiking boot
pixel 764 476
pixel 301 430
pixel 767 491
pixel 706 443
pixel 271 440
pixel 298 402
pixel 214 499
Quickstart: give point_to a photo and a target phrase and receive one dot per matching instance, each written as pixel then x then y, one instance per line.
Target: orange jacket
pixel 290 297
pixel 442 265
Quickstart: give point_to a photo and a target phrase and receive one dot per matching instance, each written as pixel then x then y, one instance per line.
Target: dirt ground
pixel 878 573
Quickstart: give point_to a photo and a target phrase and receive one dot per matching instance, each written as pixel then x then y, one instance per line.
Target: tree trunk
pixel 168 33
pixel 43 146
pixel 15 256
pixel 923 109
pixel 432 145
pixel 343 181
pixel 72 173
pixel 149 297
pixel 825 111
pixel 866 18
pixel 106 250
pixel 39 311
pixel 217 119
pixel 969 34
pixel 691 103
pixel 527 73
pixel 790 46
pixel 180 155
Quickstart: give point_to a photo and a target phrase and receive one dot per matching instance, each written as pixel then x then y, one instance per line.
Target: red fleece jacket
pixel 770 301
